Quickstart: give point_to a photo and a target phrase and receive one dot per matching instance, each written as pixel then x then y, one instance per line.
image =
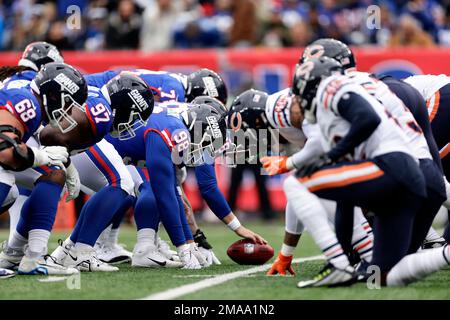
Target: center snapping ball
pixel 247 252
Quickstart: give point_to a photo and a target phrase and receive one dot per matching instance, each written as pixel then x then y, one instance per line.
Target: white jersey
pixel 388 136
pixel 308 139
pixel 378 89
pixel 429 86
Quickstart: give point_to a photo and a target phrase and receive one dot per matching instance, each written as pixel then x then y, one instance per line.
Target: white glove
pixel 200 257
pixel 187 257
pixel 50 156
pixel 181 175
pixel 72 182
pixel 210 256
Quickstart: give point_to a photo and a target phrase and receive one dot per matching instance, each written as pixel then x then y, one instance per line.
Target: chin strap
pixel 26 157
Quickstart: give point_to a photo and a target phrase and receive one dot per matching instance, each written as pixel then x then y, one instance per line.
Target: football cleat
pixel 331 276
pixel 112 253
pixel 164 249
pixel 60 253
pixel 45 265
pixel 361 271
pixel 188 258
pixel 6 273
pixel 150 257
pixel 87 261
pixel 9 258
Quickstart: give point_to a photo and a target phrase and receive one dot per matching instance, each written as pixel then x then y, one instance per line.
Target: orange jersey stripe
pixel 444 151
pixel 437 97
pixel 331 171
pixel 345 182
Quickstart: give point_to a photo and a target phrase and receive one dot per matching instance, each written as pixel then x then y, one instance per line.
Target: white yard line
pixel 219 279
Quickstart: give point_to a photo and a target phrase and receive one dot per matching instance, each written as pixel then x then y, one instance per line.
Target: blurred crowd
pixel 152 25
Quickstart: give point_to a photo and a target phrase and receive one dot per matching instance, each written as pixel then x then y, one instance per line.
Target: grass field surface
pixel 134 283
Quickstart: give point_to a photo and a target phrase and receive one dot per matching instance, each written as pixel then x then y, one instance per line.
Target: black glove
pixel 200 239
pixel 313 164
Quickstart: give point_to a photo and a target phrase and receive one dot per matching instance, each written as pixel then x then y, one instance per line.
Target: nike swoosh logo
pixel 74 258
pixel 162 264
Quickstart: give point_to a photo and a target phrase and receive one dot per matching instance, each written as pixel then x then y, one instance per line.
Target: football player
pixel 57 89
pixel 416 128
pixel 164 144
pixel 280 111
pixel 368 164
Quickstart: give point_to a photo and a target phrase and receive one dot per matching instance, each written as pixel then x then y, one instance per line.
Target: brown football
pixel 249 253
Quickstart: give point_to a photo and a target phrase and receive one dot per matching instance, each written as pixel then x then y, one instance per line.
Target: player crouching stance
pixel 381 176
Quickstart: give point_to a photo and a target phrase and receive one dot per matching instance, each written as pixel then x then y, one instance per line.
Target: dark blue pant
pixel 391 186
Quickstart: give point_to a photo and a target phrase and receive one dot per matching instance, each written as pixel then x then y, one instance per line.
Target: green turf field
pixel 131 283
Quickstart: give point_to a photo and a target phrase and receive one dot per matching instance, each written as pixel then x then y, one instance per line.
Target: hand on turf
pixel 281 264
pixel 275 165
pixel 314 164
pixel 210 256
pixel 199 255
pixel 248 234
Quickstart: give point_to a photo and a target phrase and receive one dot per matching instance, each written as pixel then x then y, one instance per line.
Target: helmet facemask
pixel 127 130
pixel 62 118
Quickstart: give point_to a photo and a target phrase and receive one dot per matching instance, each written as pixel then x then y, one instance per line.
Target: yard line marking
pixel 52 279
pixel 219 279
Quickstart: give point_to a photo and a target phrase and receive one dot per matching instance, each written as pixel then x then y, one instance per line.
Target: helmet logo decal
pixel 210 86
pixel 256 98
pixel 66 83
pixel 214 125
pixel 138 99
pixel 236 121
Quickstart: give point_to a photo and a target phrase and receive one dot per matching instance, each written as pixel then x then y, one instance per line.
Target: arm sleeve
pixel 163 182
pixel 313 147
pixel 363 122
pixel 207 183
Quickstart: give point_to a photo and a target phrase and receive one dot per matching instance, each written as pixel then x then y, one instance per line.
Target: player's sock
pixel 98 212
pixel 362 243
pixel 16 241
pixel 37 213
pixel 14 214
pixel 146 213
pixel 145 237
pixel 113 236
pixel 82 247
pixel 314 217
pixel 37 242
pixel 416 266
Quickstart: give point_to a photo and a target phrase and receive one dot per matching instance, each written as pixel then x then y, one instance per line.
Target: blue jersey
pixel 24 106
pixel 169 86
pixel 167 124
pixel 99 114
pixel 19 80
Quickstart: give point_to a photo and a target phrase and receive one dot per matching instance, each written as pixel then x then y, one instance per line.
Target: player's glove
pixel 50 156
pixel 200 257
pixel 72 182
pixel 277 164
pixel 205 248
pixel 281 265
pixel 312 165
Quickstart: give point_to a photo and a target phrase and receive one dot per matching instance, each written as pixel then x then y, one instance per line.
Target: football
pixel 246 252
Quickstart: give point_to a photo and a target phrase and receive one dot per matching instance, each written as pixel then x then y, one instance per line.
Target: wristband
pixel 234 224
pixel 286 250
pixel 290 164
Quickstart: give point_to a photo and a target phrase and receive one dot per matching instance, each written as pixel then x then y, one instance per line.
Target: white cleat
pixel 150 257
pixel 6 273
pixel 10 259
pixel 60 253
pixel 164 249
pixel 45 265
pixel 330 276
pixel 112 254
pixel 87 261
pixel 188 258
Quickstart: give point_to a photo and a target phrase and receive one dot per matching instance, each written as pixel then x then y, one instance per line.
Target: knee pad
pixel 55 176
pixel 127 185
